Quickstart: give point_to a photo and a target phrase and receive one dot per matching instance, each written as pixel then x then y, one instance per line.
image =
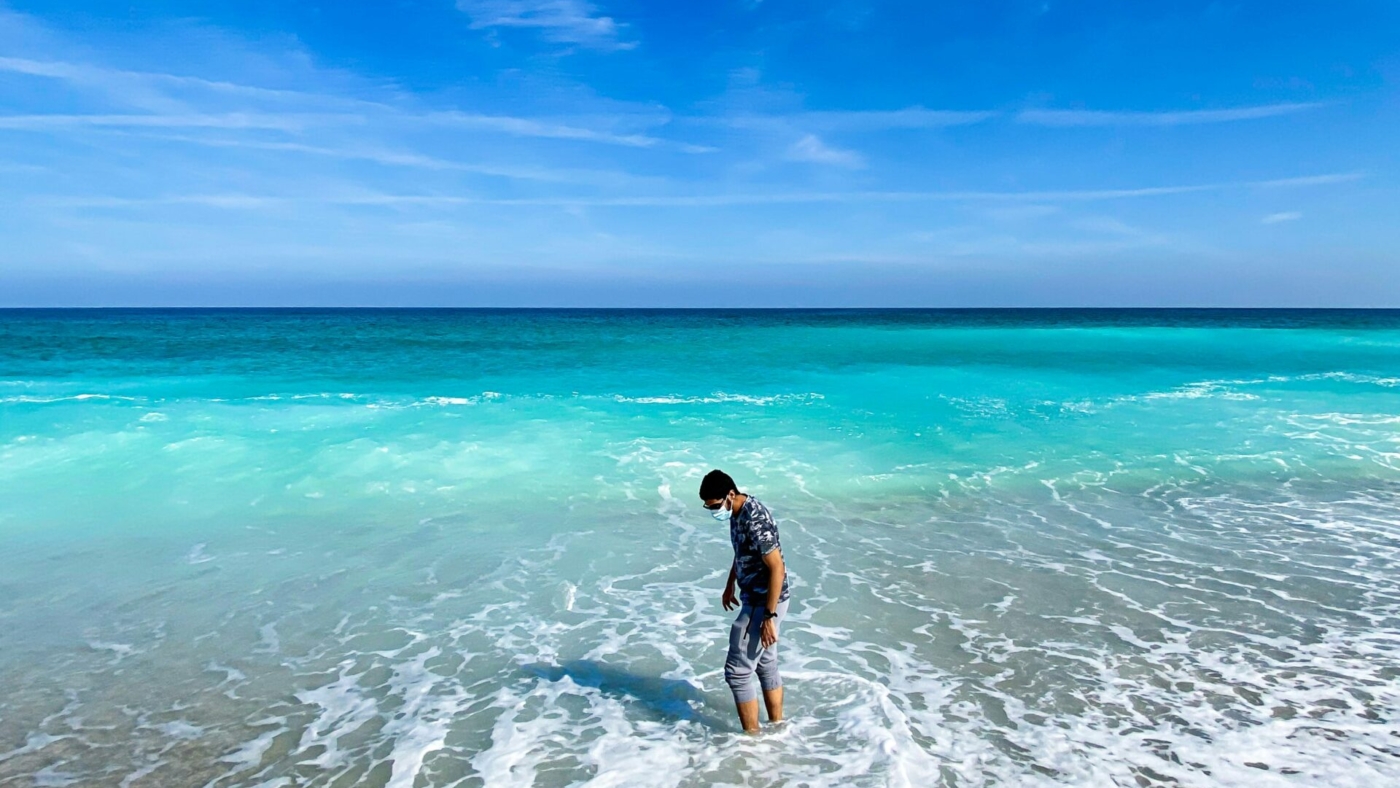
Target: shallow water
pixel 464 548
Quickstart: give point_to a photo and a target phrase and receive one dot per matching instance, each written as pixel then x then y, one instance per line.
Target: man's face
pixel 716 504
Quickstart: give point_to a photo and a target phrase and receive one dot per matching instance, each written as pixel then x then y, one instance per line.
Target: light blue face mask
pixel 721 513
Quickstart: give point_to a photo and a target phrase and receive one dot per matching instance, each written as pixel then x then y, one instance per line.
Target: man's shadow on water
pixel 671 700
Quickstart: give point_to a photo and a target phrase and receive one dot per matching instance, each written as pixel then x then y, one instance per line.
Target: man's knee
pixel 740 680
pixel 768 676
pixel 736 675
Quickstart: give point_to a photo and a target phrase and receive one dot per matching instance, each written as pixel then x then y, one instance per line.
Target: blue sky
pixel 729 153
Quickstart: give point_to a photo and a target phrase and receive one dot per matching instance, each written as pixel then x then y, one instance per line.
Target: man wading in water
pixel 761 577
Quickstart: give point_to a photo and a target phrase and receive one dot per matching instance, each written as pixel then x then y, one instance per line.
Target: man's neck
pixel 739 500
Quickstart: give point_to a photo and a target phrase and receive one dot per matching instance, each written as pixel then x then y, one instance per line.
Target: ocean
pixel 465 548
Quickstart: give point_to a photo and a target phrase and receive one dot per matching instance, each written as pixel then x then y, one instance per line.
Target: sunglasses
pixel 716 505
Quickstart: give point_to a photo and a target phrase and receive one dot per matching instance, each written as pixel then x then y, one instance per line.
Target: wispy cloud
pixel 398 158
pixel 191 150
pixel 297 122
pixel 805 136
pixel 131 90
pixel 149 91
pixel 228 200
pixel 1314 180
pixel 810 148
pixel 862 120
pixel 688 200
pixel 10 166
pixel 231 120
pixel 560 21
pixel 1077 117
pixel 527 127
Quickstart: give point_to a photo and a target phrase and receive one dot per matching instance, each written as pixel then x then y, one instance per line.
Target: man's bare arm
pixel 777 573
pixel 728 599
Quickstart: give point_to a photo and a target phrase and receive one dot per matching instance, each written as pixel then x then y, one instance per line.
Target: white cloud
pixel 562 21
pixel 1020 213
pixel 810 148
pixel 150 91
pixel 290 122
pixel 1314 180
pixel 1105 225
pixel 131 90
pixel 231 120
pixel 1077 117
pixel 907 118
pixel 527 127
pixel 1285 216
pixel 803 136
pixel 863 120
pixel 397 158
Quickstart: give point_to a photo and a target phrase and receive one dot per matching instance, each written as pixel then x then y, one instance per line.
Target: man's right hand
pixel 729 600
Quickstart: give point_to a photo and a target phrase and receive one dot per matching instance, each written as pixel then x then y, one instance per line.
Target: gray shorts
pixel 747 655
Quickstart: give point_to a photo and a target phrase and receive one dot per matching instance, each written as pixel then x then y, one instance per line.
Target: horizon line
pixel 324 308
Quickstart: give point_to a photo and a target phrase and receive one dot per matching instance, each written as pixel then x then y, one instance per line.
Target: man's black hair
pixel 716 484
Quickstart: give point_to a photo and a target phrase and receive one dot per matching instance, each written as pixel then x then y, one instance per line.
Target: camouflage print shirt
pixel 754 534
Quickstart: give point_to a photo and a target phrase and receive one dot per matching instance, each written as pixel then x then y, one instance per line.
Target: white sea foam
pixel 1210 389
pixel 120 651
pixel 1118 620
pixel 451 400
pixel 33 399
pixel 250 754
pixel 342 709
pixel 718 397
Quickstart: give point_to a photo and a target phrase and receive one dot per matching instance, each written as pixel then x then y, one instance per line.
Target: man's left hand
pixel 769 635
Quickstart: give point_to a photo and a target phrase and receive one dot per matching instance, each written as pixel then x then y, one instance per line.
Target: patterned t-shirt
pixel 754 534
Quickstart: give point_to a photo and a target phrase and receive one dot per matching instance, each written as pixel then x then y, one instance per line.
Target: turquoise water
pixel 438 548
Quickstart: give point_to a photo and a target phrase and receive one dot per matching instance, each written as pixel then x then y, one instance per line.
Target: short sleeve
pixel 763 532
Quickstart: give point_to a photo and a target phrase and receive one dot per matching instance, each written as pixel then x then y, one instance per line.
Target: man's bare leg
pixel 773 699
pixel 748 715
